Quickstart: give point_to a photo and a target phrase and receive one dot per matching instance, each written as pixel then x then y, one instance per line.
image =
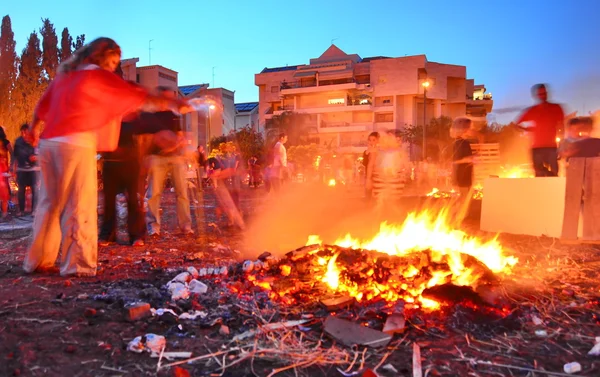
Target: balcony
pixel 481 105
pixel 300 86
pixel 328 127
pixel 281 109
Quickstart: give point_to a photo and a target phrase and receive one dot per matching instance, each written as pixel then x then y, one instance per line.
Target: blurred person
pixel 6 152
pixel 26 168
pixel 201 159
pixel 121 173
pixel 385 170
pixel 163 161
pixel 279 171
pixel 221 172
pixel 548 118
pixel 579 142
pixel 254 172
pixel 462 156
pixel 372 145
pixel 81 111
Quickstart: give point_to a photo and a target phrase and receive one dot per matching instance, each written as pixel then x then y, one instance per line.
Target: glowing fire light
pixel 418 233
pixel 516 172
pixel 331 183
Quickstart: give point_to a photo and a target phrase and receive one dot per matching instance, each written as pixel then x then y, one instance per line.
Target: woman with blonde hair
pixel 81 111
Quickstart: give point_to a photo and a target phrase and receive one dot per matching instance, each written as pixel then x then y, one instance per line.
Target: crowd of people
pixel 89 109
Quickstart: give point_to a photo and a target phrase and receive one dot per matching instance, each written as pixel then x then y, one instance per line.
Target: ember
pixel 398 264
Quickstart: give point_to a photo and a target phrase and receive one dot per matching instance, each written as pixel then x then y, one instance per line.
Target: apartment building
pixel 150 76
pixel 209 121
pixel 246 115
pixel 345 97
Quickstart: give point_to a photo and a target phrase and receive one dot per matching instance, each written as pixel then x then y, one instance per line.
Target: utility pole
pixel 150 52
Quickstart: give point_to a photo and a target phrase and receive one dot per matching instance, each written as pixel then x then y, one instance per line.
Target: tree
pixel 49 48
pixel 66 44
pixel 247 141
pixel 79 42
pixel 8 70
pixel 304 156
pixel 437 138
pixel 295 125
pixel 31 82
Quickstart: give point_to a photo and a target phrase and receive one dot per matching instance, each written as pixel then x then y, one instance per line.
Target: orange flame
pixel 419 232
pixel 516 172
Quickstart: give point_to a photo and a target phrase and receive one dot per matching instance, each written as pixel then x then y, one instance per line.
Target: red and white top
pixel 85 107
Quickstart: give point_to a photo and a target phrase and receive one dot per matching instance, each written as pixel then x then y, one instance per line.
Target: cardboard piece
pixel 528 206
pixel 349 333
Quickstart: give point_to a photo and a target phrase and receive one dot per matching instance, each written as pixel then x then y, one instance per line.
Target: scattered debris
pixel 394 324
pixel 198 287
pixel 148 342
pixel 416 361
pixel 269 327
pixel 349 333
pixel 337 303
pixel 390 367
pixel 573 367
pixel 172 355
pixel 224 330
pixel 137 311
pixel 595 351
pixel 193 271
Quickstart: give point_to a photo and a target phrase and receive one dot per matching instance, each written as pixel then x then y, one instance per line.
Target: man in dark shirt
pixel 25 160
pixel 462 156
pixel 121 174
pixel 163 161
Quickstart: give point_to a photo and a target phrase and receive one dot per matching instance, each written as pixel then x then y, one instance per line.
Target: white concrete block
pixel 529 206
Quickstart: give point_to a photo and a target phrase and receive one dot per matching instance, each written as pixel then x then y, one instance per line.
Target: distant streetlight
pixel 425 85
pixel 210 108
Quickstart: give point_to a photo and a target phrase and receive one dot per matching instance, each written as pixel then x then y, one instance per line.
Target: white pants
pixel 66 211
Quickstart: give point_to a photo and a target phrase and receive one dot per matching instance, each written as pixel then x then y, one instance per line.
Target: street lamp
pixel 425 85
pixel 210 108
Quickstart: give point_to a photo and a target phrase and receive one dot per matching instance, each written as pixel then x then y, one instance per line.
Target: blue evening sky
pixel 508 45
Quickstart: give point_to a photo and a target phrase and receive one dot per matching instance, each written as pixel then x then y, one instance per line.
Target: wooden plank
pixel 573 196
pixel 591 200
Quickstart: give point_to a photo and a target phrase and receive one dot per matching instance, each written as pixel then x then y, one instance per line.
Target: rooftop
pixel 279 69
pixel 188 89
pixel 245 107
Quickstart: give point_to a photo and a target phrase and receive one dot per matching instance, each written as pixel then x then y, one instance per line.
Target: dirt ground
pixel 53 326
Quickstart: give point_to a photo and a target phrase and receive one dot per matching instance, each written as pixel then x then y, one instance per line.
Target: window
pixel 137 78
pixel 336 101
pixel 383 101
pixel 384 117
pixel 274 89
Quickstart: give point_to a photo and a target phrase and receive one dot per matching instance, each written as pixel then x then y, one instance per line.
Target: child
pixel 462 156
